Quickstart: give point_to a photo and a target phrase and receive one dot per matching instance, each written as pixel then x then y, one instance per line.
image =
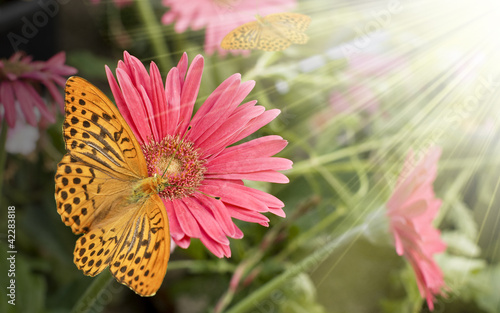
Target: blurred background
pixel 376 79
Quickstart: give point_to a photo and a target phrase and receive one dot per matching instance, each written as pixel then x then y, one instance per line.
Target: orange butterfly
pixel 103 191
pixel 274 32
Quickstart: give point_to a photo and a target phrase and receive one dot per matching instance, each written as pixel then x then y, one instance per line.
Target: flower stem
pixel 92 300
pixel 154 31
pixel 3 152
pixel 308 263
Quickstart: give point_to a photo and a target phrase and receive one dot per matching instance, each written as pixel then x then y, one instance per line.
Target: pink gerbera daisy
pixel 204 167
pixel 21 80
pixel 411 210
pixel 219 16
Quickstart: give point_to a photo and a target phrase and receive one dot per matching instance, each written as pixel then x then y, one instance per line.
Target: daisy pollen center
pixel 178 162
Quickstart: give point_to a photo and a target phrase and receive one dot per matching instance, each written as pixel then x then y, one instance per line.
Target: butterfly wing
pixel 103 162
pixel 296 21
pixel 136 247
pixel 95 132
pixel 283 29
pixel 94 182
pixel 243 37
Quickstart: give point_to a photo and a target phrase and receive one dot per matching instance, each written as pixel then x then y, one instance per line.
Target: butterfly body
pixel 147 187
pixel 104 192
pixel 273 32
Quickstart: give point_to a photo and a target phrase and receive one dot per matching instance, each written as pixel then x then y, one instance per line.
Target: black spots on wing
pixel 106 117
pixel 94 118
pixel 76 219
pixel 81 102
pixel 74 120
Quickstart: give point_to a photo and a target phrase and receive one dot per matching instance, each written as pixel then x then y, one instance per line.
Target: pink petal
pixel 214 110
pixel 267 176
pixel 21 92
pixel 8 101
pixel 204 218
pixel 222 136
pixel 186 219
pixel 173 92
pixel 260 147
pixel 216 248
pixel 220 213
pixel 182 67
pixel 55 93
pixel 183 242
pixel 40 104
pixel 190 92
pixel 250 165
pixel 247 215
pixel 229 194
pixel 255 124
pixel 148 106
pixel 133 100
pixel 121 104
pixel 159 101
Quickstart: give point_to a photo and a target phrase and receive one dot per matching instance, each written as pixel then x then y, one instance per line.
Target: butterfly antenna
pixel 176 150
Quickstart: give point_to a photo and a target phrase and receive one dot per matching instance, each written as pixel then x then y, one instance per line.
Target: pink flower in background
pixel 375 64
pixel 411 210
pixel 219 16
pixel 21 80
pixel 355 98
pixel 194 150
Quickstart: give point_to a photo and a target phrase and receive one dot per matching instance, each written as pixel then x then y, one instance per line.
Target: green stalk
pixel 3 152
pixel 307 264
pixel 154 31
pixel 94 299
